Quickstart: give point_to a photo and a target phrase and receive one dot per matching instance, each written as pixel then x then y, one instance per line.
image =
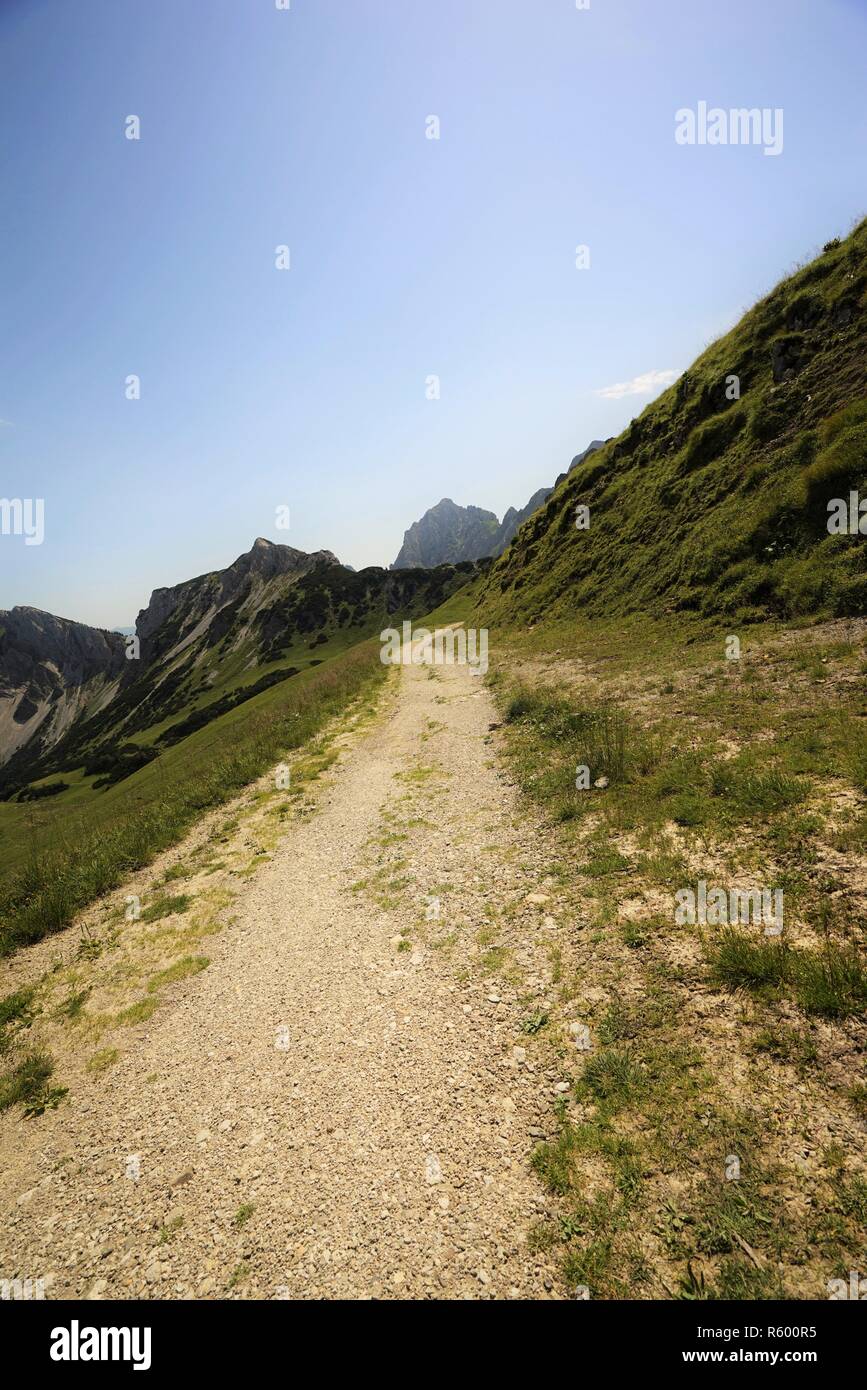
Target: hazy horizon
pixel 410 257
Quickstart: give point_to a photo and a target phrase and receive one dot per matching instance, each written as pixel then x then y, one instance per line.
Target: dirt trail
pixel 325 1112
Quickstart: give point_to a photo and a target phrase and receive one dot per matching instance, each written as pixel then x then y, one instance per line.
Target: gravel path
pixel 340 1105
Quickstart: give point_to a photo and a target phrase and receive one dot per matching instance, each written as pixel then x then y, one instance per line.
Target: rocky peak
pixel 263 562
pixel 448 533
pixel 267 558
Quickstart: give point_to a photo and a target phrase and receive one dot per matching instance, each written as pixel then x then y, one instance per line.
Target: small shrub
pixel 632 934
pixel 612 1076
pixel 166 907
pixel 18 1006
pixel 739 961
pixel 857 1096
pixel 38 793
pixel 534 1023
pixel 519 707
pixel 27 1082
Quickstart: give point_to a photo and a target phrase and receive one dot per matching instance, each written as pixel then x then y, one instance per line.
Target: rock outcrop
pixel 52 670
pixel 448 533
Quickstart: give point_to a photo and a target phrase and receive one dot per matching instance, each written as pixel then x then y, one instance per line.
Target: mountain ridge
pixel 201 646
pixel 715 500
pixel 52 670
pixel 448 532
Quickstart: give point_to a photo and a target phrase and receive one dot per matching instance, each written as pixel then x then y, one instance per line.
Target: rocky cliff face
pixel 52 671
pixel 56 674
pixel 448 533
pixel 188 611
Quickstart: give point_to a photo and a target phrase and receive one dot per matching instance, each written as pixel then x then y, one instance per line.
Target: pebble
pixel 433 1172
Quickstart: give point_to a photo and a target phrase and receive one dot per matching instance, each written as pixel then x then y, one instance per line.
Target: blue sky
pixel 410 257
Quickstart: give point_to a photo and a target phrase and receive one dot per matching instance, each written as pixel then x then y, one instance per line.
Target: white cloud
pixel 648 384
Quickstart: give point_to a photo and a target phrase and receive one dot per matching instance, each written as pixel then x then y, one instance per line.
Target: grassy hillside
pixel 715 503
pixel 203 659
pixel 60 851
pixel 710 1143
pixel 59 854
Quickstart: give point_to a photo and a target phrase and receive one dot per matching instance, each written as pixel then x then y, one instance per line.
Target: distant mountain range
pixel 448 533
pixel 73 696
pixel 728 510
pixel 69 697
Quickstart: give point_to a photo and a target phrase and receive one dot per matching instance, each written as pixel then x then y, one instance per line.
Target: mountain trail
pixel 342 1104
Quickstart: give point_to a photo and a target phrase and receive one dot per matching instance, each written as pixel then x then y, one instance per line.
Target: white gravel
pixel 367 1102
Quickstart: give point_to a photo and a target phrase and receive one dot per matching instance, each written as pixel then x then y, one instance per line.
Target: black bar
pixel 259 1337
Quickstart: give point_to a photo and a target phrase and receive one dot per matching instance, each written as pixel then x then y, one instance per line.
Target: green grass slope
pixel 188 678
pixel 59 852
pixel 57 855
pixel 716 502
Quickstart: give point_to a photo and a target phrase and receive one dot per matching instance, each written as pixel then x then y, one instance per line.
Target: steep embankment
pixel 716 497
